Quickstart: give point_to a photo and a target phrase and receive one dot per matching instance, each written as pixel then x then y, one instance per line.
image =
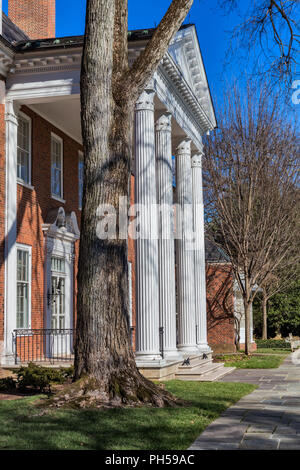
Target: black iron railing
pixel 43 345
pixel 161 341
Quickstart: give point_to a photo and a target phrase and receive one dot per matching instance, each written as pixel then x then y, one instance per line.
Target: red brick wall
pixel 220 307
pixel 35 17
pixel 2 219
pixel 33 205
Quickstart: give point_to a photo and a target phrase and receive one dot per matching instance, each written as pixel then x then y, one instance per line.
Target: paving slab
pixel 266 419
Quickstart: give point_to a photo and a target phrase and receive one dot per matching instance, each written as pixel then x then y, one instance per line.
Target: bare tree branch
pixel 251 172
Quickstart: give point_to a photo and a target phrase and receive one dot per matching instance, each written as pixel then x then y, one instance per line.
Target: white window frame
pixel 61 142
pixel 20 180
pixel 80 158
pixel 28 249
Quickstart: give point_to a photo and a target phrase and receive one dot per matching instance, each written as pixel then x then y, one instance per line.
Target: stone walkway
pixel 268 418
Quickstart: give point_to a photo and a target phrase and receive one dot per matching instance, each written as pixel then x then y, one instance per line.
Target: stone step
pixel 199 371
pixel 195 361
pixel 212 376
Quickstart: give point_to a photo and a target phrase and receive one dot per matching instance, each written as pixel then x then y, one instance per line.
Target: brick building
pixel 225 308
pixel 41 178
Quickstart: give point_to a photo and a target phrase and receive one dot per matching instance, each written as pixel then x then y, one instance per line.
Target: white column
pixel 185 256
pixel 147 295
pixel 11 124
pixel 200 276
pixel 166 248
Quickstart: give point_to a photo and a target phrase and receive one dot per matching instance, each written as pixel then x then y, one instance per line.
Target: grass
pixel 23 428
pixel 255 361
pixel 273 351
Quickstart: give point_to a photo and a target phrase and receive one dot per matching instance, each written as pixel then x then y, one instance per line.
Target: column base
pixel 7 360
pixel 149 360
pixel 173 355
pixel 204 348
pixel 188 350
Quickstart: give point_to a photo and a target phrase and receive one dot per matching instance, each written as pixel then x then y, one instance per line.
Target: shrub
pixel 41 378
pixel 273 343
pixel 8 384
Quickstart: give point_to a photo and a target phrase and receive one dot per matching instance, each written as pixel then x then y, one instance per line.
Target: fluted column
pixel 11 123
pixel 147 295
pixel 185 256
pixel 199 254
pixel 166 248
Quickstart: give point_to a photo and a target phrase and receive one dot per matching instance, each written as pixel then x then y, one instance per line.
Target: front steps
pixel 199 369
pixel 202 370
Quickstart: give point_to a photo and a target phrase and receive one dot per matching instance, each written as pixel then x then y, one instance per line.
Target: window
pixel 24 149
pixel 58 265
pixel 80 179
pixel 58 307
pixel 23 287
pixel 56 166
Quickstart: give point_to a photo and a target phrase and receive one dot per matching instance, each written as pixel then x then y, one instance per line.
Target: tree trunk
pixel 247 307
pixel 105 368
pixel 264 312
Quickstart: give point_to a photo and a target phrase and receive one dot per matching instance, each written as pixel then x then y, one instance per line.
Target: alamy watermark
pixel 149 222
pixel 296 357
pixel 296 93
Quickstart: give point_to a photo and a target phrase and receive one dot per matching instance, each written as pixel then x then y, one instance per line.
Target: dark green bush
pixel 272 343
pixel 8 384
pixel 41 378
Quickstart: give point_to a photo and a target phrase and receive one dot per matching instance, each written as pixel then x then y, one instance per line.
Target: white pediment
pixel 185 51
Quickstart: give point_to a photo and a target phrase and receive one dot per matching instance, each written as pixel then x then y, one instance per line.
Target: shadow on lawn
pixel 22 426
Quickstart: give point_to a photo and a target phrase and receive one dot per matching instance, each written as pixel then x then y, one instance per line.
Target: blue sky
pixel 212 28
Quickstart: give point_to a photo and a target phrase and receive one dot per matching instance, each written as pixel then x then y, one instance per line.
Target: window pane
pixel 58 264
pixel 22 289
pixel 23 149
pixel 56 167
pixel 22 265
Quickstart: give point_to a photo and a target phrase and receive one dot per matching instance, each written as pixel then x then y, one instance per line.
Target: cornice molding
pixel 6 61
pixel 191 101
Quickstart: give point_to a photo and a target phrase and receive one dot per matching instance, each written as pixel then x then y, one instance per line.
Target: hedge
pixel 273 343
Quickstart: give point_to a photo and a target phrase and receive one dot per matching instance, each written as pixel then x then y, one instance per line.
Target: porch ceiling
pixel 64 114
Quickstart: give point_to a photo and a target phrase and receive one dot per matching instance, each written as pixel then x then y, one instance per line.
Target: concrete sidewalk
pixel 268 418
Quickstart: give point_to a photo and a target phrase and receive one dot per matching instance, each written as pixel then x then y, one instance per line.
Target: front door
pixel 59 310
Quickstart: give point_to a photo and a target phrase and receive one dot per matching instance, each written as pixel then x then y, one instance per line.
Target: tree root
pixel 119 391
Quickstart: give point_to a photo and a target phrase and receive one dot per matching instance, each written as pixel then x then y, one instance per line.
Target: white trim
pixel 62 248
pixel 29 120
pixel 11 125
pixel 61 142
pixel 59 199
pixel 28 248
pixel 26 185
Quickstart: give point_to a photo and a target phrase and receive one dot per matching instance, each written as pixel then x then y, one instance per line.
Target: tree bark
pixel 247 307
pixel 265 312
pixel 105 368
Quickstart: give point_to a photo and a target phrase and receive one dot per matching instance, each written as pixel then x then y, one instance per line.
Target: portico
pixel 171 116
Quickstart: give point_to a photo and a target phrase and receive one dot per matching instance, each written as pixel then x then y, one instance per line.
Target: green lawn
pixel 273 351
pixel 21 426
pixel 255 361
